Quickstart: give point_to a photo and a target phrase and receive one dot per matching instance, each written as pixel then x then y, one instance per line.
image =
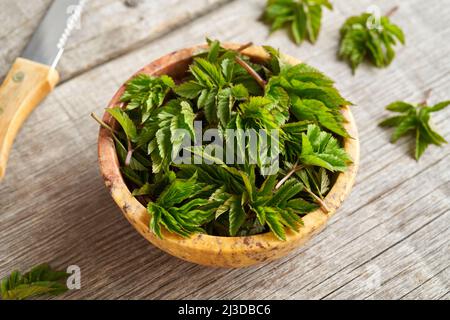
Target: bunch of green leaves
pixel 41 280
pixel 310 94
pixel 180 209
pixel 214 89
pixel 225 89
pixel 242 208
pixel 363 38
pixel 415 119
pixel 302 17
pixel 321 149
pixel 147 93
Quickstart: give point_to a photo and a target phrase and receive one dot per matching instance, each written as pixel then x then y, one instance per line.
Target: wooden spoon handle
pixel 26 84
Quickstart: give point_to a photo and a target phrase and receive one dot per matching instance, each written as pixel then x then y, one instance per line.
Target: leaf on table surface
pixel 302 17
pixel 41 280
pixel 360 40
pixel 415 119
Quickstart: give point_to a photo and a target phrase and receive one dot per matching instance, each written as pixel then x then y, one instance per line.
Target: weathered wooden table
pixel 389 240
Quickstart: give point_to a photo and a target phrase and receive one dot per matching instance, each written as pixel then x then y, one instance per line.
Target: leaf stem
pixel 251 72
pixel 107 127
pixel 294 169
pixel 322 204
pixel 245 46
pixel 426 96
pixel 129 154
pixel 392 11
pixel 101 122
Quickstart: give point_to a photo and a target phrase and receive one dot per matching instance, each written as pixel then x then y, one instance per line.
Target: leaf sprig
pixel 41 280
pixel 225 89
pixel 302 17
pixel 415 119
pixel 362 38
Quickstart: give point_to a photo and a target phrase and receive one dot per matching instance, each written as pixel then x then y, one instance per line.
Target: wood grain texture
pixel 19 19
pixel 388 241
pixel 108 28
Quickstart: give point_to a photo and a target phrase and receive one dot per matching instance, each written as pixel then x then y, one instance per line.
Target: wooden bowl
pixel 231 252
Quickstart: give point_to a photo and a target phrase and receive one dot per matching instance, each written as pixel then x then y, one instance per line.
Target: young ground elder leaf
pixel 146 92
pixel 302 17
pixel 39 281
pixel 320 149
pixel 415 119
pixel 360 40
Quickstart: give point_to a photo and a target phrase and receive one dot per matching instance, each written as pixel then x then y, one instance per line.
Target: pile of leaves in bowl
pixel 226 91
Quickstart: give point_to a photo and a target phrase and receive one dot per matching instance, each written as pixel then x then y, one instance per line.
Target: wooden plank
pixel 66 217
pixel 109 28
pixel 19 19
pixel 427 290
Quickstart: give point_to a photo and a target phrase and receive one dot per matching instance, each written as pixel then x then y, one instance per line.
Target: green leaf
pixel 239 92
pixel 179 191
pixel 237 215
pixel 214 49
pixel 146 93
pixel 268 186
pixel 375 46
pixel 407 124
pixel 256 114
pixel 287 191
pixel 421 145
pixel 185 219
pixel 328 95
pixel 224 106
pixel 440 106
pixel 273 220
pixel 392 121
pixel 189 90
pixel 228 67
pixel 210 107
pixel 155 219
pixel 393 30
pixel 317 111
pixel 173 225
pixel 208 71
pixel 290 219
pixel 125 122
pixel 301 206
pixel 134 164
pixel 433 136
pixel 313 22
pixel 299 25
pixel 224 207
pixel 261 215
pixel 276 9
pixel 279 219
pixel 132 176
pixel 306 73
pixel 41 280
pixel 353 47
pixel 399 106
pixel 146 189
pixel 321 149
